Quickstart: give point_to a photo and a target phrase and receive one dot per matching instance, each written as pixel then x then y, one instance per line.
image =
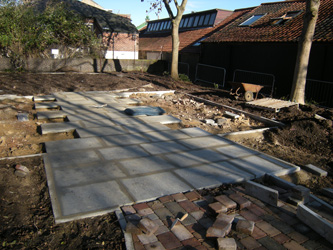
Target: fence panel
pixel 210 74
pixel 320 92
pixel 267 80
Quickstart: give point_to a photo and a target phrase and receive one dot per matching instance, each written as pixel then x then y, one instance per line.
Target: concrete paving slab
pixel 43 98
pixel 204 142
pixel 129 101
pixel 116 153
pixel 124 139
pixel 87 117
pixel 87 173
pixel 146 165
pixel 195 157
pixel 153 186
pixel 195 132
pixel 62 159
pixel 90 198
pixel 72 144
pixel 97 123
pixel 51 128
pixel 45 115
pixel 138 127
pixel 163 119
pixel 236 151
pixel 163 147
pixel 47 105
pixel 100 131
pixel 166 135
pixel 259 166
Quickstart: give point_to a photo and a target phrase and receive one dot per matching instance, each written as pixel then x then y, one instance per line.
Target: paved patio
pixel 120 160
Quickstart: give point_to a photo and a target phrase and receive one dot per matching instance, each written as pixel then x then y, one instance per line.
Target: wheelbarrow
pixel 247 88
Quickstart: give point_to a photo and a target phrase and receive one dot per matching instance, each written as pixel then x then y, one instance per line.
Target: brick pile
pixel 232 220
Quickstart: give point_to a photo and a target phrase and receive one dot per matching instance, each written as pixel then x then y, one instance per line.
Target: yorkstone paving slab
pixel 100 131
pixel 236 151
pixel 163 147
pixel 97 123
pixel 62 159
pixel 47 105
pixel 195 157
pixel 146 165
pixel 88 117
pixel 124 139
pixel 195 132
pixel 138 127
pixel 49 128
pixel 42 98
pixel 116 153
pixel 72 144
pixel 44 115
pixel 91 198
pixel 87 174
pixel 153 186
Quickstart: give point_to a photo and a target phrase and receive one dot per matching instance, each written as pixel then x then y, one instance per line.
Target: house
pixel 265 40
pixel 120 36
pixel 155 40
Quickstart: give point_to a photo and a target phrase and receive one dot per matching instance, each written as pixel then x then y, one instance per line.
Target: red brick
pixel 195 228
pixel 193 195
pixel 148 226
pixel 181 232
pixel 299 238
pixel 293 245
pixel 193 242
pixel 226 201
pixel 188 206
pixel 169 240
pixel 201 247
pixel 226 243
pixel 140 206
pixel 245 226
pixel 138 246
pixel 179 197
pixel 241 201
pixel 219 232
pixel 281 238
pixel 250 243
pixel 147 239
pixel 250 216
pixel 225 217
pixel 257 210
pixel 217 207
pixel 155 204
pixel 145 211
pixel 166 198
pixel 258 233
pixel 161 230
pixel 268 228
pixel 198 215
pixel 128 210
pixel 154 246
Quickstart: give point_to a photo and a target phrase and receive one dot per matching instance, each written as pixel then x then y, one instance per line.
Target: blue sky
pixel 137 9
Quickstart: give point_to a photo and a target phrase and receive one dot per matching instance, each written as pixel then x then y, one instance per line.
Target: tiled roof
pixel 264 31
pixel 163 41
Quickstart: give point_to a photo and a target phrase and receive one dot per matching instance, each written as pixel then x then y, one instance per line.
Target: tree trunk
pixel 303 54
pixel 175 49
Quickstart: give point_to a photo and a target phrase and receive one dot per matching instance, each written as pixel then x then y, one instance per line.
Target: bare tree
pixel 303 54
pixel 175 20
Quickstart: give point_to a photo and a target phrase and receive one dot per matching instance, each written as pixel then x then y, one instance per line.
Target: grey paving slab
pixel 63 159
pixel 46 105
pixel 195 132
pixel 204 142
pixel 87 173
pixel 153 186
pixel 129 101
pixel 87 117
pixel 195 157
pixel 42 98
pixel 138 127
pixel 116 153
pixel 259 166
pixel 44 115
pixel 50 128
pixel 163 147
pixel 236 151
pixel 146 165
pixel 72 144
pixel 210 175
pixel 163 119
pixel 100 131
pixel 90 198
pixel 124 139
pixel 166 135
pixel 97 123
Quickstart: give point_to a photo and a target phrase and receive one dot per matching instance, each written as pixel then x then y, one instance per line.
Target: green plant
pixel 216 86
pixel 184 78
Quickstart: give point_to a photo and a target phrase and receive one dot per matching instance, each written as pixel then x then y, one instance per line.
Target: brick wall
pixel 121 42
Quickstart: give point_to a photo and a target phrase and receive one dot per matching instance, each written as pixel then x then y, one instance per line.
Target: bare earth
pixel 26 215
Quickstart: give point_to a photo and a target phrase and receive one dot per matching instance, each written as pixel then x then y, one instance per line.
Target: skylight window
pixel 251 20
pixel 286 17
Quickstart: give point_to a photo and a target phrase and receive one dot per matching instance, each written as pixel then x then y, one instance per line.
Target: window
pixel 195 24
pixel 181 23
pixel 185 22
pixel 169 25
pixel 212 19
pixel 190 22
pixel 251 20
pixel 286 17
pixel 198 43
pixel 201 20
pixel 206 19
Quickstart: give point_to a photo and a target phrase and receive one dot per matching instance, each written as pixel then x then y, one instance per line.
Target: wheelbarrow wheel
pixel 248 96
